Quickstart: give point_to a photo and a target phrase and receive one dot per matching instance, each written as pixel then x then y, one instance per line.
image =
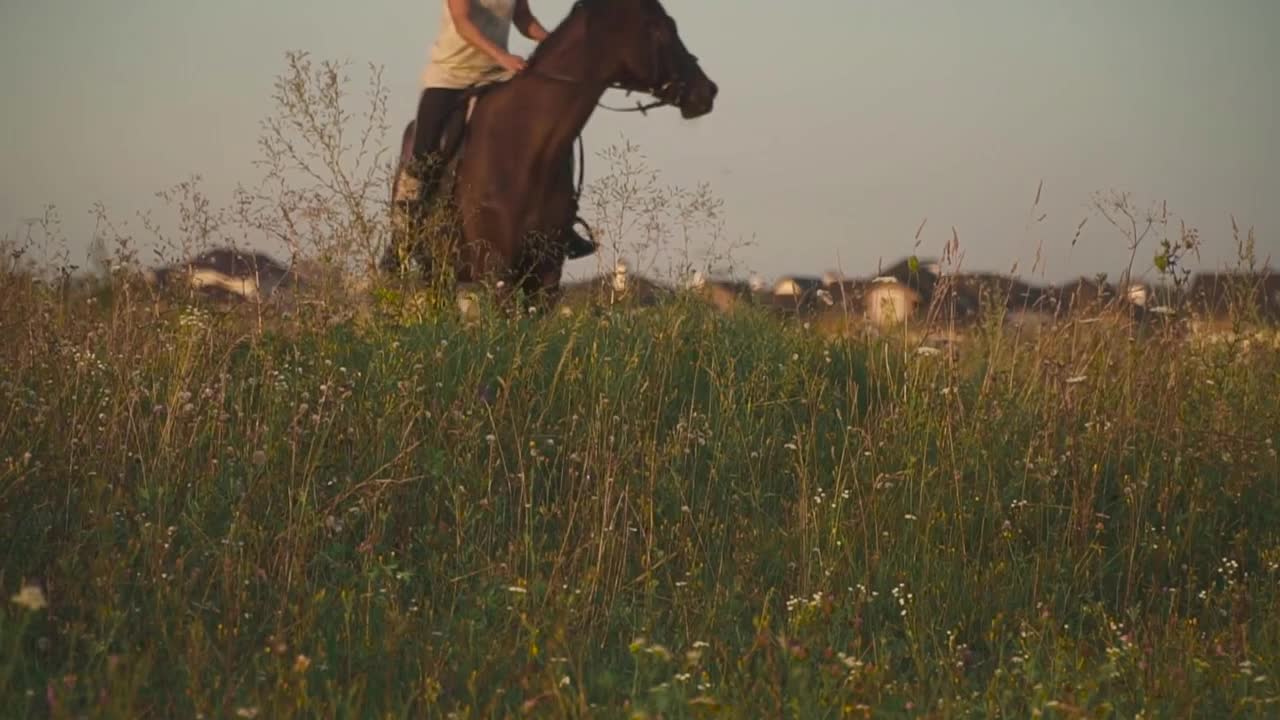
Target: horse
pixel 511 172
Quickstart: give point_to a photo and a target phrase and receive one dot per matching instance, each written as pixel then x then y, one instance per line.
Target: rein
pixel 642 108
pixel 639 107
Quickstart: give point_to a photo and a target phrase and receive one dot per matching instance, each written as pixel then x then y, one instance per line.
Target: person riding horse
pixel 512 200
pixel 470 50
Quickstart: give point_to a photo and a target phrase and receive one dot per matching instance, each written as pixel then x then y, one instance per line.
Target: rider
pixel 470 50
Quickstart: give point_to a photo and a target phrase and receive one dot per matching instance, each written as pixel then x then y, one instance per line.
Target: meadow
pixel 247 511
pixel 670 512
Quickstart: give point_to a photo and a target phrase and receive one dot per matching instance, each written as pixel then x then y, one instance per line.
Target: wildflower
pixel 1076 380
pixel 660 651
pixel 926 351
pixel 30 597
pixel 517 590
pixel 564 681
pixel 301 663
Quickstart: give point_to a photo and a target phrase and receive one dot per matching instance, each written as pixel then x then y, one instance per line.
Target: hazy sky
pixel 842 124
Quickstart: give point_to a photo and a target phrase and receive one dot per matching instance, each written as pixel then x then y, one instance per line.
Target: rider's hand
pixel 514 63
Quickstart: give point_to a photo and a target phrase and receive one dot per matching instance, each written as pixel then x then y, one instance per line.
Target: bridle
pixel 666 94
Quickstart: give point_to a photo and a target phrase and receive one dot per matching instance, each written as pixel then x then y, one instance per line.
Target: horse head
pixel 652 58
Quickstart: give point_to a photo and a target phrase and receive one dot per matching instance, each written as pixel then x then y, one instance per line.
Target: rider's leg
pixel 418 175
pixel 434 109
pixel 403 193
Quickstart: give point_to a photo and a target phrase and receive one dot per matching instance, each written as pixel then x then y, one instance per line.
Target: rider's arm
pixel 460 11
pixel 527 24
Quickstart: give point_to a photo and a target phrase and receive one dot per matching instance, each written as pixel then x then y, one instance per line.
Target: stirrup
pixel 577 246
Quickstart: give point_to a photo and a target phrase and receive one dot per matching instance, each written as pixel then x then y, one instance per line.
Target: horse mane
pixel 555 37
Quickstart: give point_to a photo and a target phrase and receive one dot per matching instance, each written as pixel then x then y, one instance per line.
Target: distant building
pixel 225 273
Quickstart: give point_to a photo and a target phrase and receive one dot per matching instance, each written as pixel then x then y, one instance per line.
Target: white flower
pixel 30 597
pixel 927 351
pixel 517 590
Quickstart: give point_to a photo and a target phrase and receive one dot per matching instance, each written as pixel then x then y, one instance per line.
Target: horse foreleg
pixel 541 284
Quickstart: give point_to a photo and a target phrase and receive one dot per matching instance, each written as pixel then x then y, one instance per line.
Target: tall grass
pixel 661 512
pixel 664 512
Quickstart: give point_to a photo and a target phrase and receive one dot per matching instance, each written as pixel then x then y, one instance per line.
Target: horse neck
pixel 573 77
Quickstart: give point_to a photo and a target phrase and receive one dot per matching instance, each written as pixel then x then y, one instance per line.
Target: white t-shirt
pixel 456 63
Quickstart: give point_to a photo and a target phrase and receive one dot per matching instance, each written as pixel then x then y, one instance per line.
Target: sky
pixel 841 125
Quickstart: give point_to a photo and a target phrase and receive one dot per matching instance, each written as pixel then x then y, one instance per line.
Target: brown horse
pixel 512 185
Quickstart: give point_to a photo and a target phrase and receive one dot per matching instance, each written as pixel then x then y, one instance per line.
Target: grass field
pixel 361 506
pixel 664 513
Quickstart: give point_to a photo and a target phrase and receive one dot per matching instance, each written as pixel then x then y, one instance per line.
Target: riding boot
pixel 406 214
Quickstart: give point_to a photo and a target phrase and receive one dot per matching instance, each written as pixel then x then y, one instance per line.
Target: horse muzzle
pixel 698 98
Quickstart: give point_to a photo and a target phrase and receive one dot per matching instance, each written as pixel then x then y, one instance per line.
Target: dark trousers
pixel 434 108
